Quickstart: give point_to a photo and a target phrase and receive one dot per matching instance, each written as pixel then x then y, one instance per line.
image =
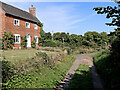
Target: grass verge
pixel 41 76
pixel 82 78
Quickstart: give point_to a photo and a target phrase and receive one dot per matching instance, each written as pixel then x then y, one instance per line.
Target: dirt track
pixel 81 59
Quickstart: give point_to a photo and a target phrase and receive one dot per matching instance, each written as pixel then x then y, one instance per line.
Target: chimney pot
pixel 32 10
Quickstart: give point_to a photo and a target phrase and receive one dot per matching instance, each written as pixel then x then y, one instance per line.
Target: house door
pixel 28 40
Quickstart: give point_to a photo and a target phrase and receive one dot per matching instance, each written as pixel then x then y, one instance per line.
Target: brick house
pixel 20 23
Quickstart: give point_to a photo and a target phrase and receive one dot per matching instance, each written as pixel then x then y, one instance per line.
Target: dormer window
pixel 16 22
pixel 27 25
pixel 35 26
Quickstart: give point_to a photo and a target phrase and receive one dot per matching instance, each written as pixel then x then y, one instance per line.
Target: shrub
pixel 58 43
pixel 41 40
pixel 8 40
pixel 2 43
pixel 44 57
pixel 23 42
pixel 33 44
pixel 7 70
pixel 49 43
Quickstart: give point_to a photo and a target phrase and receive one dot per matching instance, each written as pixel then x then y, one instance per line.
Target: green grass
pixel 41 76
pixel 82 78
pixel 16 55
pixel 85 50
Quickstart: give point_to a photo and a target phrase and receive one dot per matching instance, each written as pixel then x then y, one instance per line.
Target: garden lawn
pixel 15 55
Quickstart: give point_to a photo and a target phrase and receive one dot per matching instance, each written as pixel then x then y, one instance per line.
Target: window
pixel 36 39
pixel 16 22
pixel 27 25
pixel 17 39
pixel 35 26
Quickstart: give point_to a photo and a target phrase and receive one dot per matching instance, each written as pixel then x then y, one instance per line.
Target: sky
pixel 70 17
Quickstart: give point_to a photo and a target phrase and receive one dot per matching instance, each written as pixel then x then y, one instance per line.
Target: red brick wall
pixel 2 21
pixel 21 29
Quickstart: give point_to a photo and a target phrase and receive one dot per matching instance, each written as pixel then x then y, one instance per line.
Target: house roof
pixel 11 10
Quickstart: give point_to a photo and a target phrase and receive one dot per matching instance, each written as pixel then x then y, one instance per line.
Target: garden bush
pixel 33 44
pixel 23 42
pixel 7 71
pixel 8 40
pixel 49 43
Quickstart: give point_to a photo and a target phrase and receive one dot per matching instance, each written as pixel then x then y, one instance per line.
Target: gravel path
pixel 81 59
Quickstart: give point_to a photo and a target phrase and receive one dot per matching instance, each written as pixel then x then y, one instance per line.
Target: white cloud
pixel 55 18
pixel 82 19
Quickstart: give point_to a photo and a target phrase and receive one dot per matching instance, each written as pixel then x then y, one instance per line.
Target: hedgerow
pixel 108 72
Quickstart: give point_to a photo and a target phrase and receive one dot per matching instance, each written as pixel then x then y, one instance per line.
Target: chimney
pixel 32 10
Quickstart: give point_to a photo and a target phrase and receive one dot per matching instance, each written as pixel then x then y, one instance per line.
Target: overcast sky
pixel 72 17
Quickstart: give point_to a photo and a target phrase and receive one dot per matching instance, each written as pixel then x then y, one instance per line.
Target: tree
pixel 73 40
pixel 113 12
pixel 56 36
pixel 64 36
pixel 92 39
pixel 112 36
pixel 47 36
pixel 42 32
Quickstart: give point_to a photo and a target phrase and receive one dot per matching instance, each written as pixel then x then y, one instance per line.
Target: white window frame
pixel 28 25
pixel 18 39
pixel 35 26
pixel 37 38
pixel 18 24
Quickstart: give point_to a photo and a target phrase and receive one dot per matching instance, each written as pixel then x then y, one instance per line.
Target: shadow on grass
pixel 82 79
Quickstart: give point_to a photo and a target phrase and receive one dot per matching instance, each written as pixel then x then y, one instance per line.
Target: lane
pixel 81 59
